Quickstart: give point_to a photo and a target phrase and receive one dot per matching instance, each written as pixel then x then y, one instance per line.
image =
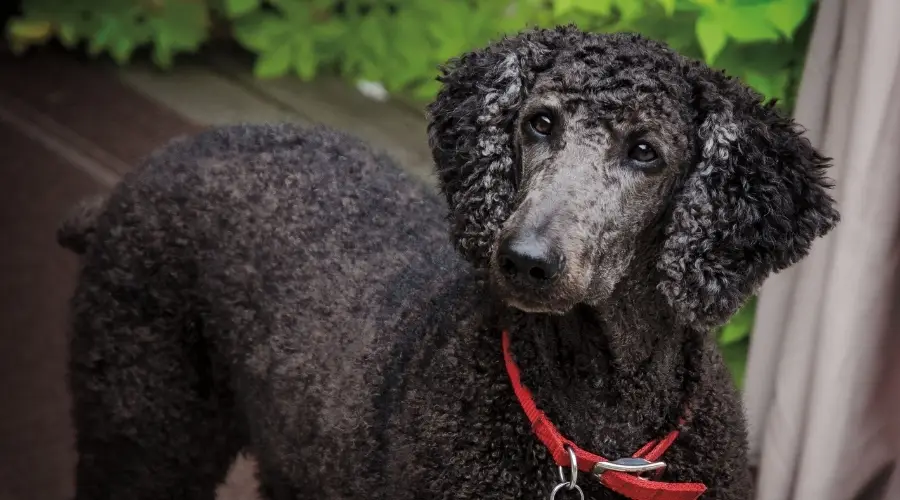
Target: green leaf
pixel 301 13
pixel 732 333
pixel 596 7
pixel 427 90
pixel 735 330
pixel 178 26
pixel 599 7
pixel 630 9
pixel 29 31
pixel 372 32
pixel 274 62
pixel 121 49
pixel 711 36
pixel 668 6
pixel 745 24
pixel 327 32
pixel 561 7
pixel 261 32
pixel 305 62
pixel 735 356
pixel 508 19
pixel 100 40
pixel 787 15
pixel 739 326
pixel 454 32
pixel 684 42
pixel 413 50
pixel 185 24
pixel 771 85
pixel 68 34
pixel 369 37
pixel 163 55
pixel 237 8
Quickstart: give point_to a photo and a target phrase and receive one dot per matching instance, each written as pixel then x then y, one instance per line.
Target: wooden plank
pixel 203 96
pixel 96 111
pixel 98 165
pixel 36 441
pixel 67 130
pixel 391 126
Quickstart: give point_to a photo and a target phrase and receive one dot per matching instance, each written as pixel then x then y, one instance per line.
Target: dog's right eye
pixel 541 124
pixel 642 153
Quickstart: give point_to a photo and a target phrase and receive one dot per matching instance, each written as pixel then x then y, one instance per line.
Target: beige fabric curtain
pixel 821 324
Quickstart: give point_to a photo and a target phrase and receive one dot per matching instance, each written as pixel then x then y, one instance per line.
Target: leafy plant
pixel 399 43
pixel 734 339
pixel 115 27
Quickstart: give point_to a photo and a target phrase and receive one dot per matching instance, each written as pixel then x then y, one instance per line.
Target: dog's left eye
pixel 642 152
pixel 541 124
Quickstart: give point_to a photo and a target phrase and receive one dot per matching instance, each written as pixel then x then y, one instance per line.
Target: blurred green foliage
pixel 115 27
pixel 401 42
pixel 734 340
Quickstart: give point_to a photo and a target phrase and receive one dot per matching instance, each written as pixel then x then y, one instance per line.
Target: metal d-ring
pixel 560 486
pixel 573 470
pixel 571 483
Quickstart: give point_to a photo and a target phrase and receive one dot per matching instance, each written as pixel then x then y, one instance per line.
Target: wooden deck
pixel 70 128
pixel 221 89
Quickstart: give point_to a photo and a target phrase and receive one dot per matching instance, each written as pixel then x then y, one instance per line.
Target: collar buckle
pixel 636 466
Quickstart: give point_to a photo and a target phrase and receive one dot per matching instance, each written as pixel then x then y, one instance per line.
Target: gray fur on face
pixel 583 194
pixel 288 292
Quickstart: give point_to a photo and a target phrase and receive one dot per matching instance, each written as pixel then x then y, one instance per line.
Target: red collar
pixel 629 485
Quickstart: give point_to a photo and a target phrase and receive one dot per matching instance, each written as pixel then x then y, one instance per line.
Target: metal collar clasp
pixel 637 466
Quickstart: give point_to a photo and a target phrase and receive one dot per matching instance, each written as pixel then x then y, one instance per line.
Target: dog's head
pixel 567 158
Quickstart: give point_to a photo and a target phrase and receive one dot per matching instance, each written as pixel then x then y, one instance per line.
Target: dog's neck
pixel 625 332
pixel 596 363
pixel 618 341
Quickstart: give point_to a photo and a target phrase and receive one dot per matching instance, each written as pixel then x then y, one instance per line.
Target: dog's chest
pixel 461 433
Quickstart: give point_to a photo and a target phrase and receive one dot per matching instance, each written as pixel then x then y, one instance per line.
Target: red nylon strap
pixel 628 485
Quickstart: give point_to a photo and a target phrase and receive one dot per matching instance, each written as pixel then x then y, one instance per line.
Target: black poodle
pixel 289 292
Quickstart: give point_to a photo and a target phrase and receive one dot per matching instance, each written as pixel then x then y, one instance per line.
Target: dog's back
pixel 251 274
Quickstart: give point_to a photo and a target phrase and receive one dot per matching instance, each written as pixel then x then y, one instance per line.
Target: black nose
pixel 530 257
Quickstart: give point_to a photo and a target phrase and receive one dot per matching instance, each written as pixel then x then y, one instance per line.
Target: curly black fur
pixel 289 292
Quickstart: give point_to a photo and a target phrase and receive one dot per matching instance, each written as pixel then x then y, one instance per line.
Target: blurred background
pixel 88 87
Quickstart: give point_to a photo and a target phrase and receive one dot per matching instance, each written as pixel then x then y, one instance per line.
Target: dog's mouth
pixel 537 308
pixel 537 300
pixel 533 270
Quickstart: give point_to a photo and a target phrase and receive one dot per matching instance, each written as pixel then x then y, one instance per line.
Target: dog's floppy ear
pixel 470 132
pixel 751 206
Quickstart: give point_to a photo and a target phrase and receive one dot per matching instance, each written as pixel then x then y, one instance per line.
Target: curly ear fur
pixel 470 136
pixel 752 205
